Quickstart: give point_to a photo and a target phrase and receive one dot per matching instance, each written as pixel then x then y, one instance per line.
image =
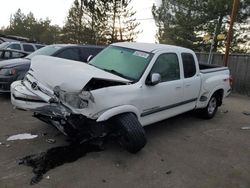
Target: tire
pixel 211 108
pixel 131 133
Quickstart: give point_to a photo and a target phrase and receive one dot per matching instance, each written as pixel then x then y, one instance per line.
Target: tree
pixel 17 26
pixel 241 40
pixel 122 22
pixel 218 17
pixel 177 22
pixel 184 22
pixel 37 30
pixel 100 22
pixel 86 22
pixel 72 30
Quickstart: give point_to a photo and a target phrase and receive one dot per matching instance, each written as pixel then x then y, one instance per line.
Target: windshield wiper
pixel 117 73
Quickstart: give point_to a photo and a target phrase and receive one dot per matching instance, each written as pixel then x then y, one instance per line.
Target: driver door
pixel 162 100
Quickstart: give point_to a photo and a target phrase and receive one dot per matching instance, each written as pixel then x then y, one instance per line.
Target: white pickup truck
pixel 122 89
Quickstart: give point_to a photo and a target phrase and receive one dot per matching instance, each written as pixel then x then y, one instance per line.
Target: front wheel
pixel 211 108
pixel 131 133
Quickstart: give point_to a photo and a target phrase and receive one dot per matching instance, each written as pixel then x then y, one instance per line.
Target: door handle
pixel 178 87
pixel 188 85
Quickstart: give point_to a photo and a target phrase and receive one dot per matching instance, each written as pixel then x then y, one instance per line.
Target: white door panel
pixel 160 100
pixel 192 80
pixel 191 88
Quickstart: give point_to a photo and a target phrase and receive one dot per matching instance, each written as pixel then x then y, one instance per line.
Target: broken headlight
pixel 75 100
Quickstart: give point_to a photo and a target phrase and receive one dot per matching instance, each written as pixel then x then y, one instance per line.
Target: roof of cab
pixel 151 47
pixel 78 45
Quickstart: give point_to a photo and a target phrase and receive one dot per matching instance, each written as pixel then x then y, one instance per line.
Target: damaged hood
pixel 69 75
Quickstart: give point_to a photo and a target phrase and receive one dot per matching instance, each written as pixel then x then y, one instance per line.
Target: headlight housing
pixel 77 100
pixel 8 72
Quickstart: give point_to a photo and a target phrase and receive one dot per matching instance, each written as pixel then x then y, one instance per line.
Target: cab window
pixel 70 53
pixel 188 65
pixel 167 65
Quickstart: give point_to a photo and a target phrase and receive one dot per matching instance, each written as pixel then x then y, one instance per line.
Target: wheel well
pixel 219 95
pixel 125 113
pixel 117 111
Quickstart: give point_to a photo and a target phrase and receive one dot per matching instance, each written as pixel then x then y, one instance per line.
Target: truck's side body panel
pixel 211 82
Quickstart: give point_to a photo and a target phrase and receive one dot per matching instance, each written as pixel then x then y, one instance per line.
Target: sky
pixel 56 11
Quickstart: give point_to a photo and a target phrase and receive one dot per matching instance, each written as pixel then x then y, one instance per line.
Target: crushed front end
pixel 57 107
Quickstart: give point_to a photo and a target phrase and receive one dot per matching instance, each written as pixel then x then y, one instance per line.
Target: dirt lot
pixel 184 151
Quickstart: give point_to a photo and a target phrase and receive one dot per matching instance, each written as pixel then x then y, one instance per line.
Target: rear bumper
pixel 228 92
pixel 23 98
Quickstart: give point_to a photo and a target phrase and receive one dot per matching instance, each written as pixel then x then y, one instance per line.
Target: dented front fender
pixel 118 110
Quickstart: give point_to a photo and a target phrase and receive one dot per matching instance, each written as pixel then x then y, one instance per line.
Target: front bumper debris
pixel 23 98
pixel 76 126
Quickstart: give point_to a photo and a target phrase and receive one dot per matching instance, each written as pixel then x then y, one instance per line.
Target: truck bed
pixel 207 68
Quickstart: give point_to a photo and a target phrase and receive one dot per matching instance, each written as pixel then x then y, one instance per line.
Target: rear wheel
pixel 131 133
pixel 211 108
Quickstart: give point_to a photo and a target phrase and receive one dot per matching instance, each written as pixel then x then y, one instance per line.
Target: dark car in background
pixel 15 69
pixel 11 54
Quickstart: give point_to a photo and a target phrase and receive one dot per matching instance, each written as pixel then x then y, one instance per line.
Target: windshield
pixel 3 45
pixel 48 50
pixel 124 62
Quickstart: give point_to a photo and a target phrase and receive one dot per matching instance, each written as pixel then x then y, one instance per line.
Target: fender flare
pixel 215 90
pixel 219 87
pixel 118 110
pixel 200 104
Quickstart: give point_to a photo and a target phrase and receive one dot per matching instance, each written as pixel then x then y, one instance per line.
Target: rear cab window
pixel 189 65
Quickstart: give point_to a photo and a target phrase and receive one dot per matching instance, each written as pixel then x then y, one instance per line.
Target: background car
pixel 15 69
pixel 11 54
pixel 26 47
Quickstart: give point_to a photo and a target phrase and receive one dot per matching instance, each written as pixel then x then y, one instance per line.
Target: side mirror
pixel 154 79
pixel 89 58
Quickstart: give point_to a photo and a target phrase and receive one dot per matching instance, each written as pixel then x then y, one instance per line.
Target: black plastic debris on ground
pixel 246 113
pixel 224 111
pixel 169 172
pixel 45 161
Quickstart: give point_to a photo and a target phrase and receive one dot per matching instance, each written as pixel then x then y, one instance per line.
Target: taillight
pixel 231 80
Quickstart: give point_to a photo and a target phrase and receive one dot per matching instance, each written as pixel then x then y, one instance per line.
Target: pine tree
pixel 100 22
pixel 86 22
pixel 185 22
pixel 32 28
pixel 122 23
